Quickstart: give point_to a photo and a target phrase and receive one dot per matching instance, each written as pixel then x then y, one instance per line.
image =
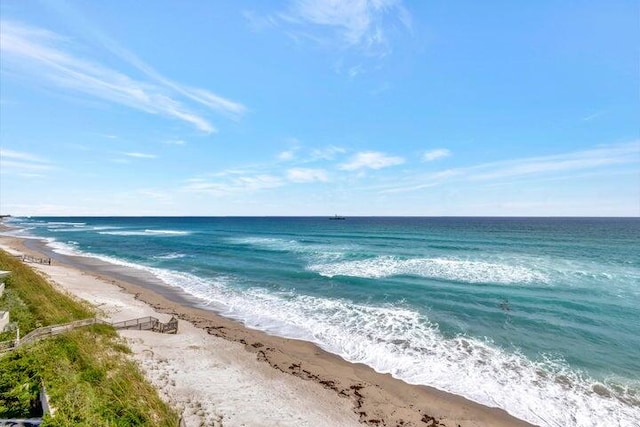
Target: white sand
pixel 209 380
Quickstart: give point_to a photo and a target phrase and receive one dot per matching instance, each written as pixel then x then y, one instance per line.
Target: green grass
pixel 37 302
pixel 89 379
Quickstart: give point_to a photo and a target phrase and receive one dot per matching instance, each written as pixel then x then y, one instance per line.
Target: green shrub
pixel 19 385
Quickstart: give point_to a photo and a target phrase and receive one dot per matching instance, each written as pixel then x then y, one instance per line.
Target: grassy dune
pixel 87 374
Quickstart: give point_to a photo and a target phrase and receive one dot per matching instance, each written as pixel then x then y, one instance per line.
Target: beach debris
pixel 430 421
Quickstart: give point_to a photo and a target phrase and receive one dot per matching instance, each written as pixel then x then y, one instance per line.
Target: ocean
pixel 538 316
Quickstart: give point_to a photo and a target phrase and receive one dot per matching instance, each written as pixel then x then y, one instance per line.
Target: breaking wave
pixel 436 268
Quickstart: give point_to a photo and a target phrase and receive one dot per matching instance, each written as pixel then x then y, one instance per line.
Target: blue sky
pixel 316 107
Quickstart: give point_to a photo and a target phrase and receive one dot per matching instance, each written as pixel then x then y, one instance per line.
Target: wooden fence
pixel 52 331
pixel 143 324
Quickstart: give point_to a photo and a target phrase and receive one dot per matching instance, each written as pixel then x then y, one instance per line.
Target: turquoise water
pixel 540 317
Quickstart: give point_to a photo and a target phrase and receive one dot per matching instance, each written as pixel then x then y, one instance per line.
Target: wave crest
pixel 158 233
pixel 435 268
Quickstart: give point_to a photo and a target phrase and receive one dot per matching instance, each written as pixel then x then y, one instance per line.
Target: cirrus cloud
pixel 19 162
pixel 354 23
pixel 46 57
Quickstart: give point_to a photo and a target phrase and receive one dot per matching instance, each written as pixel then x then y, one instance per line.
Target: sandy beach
pixel 218 372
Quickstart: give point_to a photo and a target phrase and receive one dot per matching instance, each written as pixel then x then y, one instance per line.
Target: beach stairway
pixel 149 324
pixel 35 260
pixel 141 324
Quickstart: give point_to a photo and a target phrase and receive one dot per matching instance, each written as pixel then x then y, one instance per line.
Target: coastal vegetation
pixel 86 372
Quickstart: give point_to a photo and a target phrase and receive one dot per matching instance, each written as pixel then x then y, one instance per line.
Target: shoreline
pixel 374 398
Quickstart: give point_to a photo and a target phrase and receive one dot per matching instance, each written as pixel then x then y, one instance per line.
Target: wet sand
pixel 303 383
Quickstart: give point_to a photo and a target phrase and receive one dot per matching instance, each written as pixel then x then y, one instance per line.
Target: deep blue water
pixel 539 316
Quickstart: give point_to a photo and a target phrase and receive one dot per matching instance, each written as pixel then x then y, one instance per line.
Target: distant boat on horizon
pixel 336 217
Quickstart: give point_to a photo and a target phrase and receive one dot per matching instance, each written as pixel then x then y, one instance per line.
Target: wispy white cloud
pixel 326 153
pixel 422 181
pixel 304 175
pixel 45 55
pixel 287 155
pixel 354 23
pixel 370 160
pixel 439 153
pixel 233 172
pixel 595 158
pixel 12 165
pixel 92 32
pixel 590 173
pixel 140 155
pixel 20 155
pixel 22 163
pixel 585 159
pixel 233 185
pixel 200 95
pixel 211 100
pixel 252 179
pixel 291 153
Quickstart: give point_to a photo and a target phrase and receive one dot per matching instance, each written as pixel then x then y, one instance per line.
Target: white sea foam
pixel 146 233
pixel 402 342
pixel 437 268
pixel 124 233
pixel 211 291
pixel 172 255
pixel 53 224
pixel 265 242
pixel 168 232
pixel 69 248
